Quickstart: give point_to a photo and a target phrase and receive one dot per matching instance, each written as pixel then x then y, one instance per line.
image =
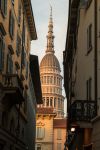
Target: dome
pixel 50 60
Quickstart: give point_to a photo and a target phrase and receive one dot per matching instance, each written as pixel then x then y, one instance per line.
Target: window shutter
pixel 11 65
pixel 2 6
pixel 3 50
pixel 5 11
pixel 0 54
pixel 7 63
pixel 11 24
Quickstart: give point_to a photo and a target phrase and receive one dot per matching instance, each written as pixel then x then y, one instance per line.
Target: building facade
pixel 17 30
pixel 53 100
pixel 81 74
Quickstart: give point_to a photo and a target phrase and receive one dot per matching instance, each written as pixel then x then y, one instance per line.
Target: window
pixel 47 101
pixel 58 146
pixel 54 102
pixel 18 45
pixel 54 80
pixel 89 89
pixel 59 134
pixel 11 25
pixel 2 48
pixel 9 64
pixel 40 132
pixel 47 80
pixel 43 101
pixel 3 6
pixel 89 38
pixel 24 33
pixel 23 60
pixel 27 69
pixel 58 102
pixel 44 81
pixel 51 99
pixel 38 147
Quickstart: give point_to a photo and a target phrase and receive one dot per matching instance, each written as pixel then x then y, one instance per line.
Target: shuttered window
pixel 9 64
pixel 11 24
pixel 19 13
pixel 18 45
pixel 3 7
pixel 26 70
pixel 2 48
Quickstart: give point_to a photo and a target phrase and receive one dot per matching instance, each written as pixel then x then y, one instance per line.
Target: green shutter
pixel 5 7
pixel 0 54
pixel 3 50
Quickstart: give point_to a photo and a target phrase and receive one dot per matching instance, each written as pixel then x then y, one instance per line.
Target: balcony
pixel 12 89
pixel 82 110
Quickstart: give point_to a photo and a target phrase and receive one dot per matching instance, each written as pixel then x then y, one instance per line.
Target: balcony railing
pixel 12 88
pixel 82 110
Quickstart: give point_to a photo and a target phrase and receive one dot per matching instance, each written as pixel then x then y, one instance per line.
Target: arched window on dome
pixel 50 90
pixel 43 101
pixel 44 81
pixel 47 79
pixel 51 80
pixel 47 101
pixel 55 101
pixel 51 101
pixel 58 102
pixel 54 80
pixel 47 89
pixel 57 81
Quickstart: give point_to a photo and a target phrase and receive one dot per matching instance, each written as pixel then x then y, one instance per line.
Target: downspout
pixel 95 53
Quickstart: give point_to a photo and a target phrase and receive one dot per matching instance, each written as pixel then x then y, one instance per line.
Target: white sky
pixel 41 11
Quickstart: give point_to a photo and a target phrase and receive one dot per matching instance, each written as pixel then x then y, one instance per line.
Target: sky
pixel 41 11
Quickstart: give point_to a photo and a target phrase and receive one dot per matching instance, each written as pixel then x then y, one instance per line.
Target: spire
pixel 50 36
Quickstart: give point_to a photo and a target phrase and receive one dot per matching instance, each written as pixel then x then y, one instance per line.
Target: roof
pixel 59 123
pixel 35 74
pixel 30 18
pixel 42 110
pixel 50 60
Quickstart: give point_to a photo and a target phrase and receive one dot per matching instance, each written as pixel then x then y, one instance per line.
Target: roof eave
pixel 30 18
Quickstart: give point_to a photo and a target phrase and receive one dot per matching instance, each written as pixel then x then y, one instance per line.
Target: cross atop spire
pixel 50 36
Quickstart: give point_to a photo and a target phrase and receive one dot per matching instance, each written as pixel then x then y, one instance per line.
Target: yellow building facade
pixel 17 30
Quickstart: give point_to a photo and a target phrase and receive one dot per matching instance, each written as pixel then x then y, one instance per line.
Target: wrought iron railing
pixel 82 110
pixel 12 88
pixel 12 81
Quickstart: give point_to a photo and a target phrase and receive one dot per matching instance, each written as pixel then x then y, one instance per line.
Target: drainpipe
pixel 95 53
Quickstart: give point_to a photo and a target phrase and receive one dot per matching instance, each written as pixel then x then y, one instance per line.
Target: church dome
pixel 50 60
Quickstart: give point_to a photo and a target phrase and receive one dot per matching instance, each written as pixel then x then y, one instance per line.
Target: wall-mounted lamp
pixel 73 129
